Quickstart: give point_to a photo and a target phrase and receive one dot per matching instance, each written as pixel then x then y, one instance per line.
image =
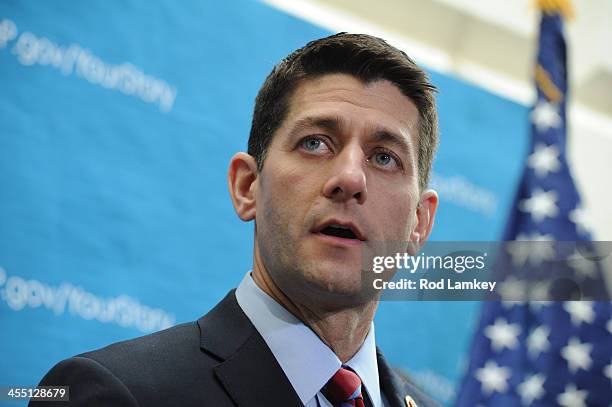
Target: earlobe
pixel 242 183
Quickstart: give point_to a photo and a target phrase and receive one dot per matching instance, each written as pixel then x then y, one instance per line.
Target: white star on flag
pixel 608 371
pixel 532 388
pixel 537 342
pixel 538 291
pixel 512 291
pixel 523 250
pixel 540 205
pixel 572 397
pixel 545 115
pixel 582 219
pixel 502 334
pixel 584 267
pixel 580 311
pixel 544 159
pixel 577 355
pixel 493 377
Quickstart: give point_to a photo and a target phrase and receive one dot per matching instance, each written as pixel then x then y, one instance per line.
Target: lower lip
pixel 339 241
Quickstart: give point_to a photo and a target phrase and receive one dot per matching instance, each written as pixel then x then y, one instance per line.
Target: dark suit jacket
pixel 220 360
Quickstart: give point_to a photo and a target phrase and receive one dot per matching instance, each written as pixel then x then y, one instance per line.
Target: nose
pixel 348 178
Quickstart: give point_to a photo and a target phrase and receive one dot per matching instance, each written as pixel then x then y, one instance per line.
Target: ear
pixel 241 180
pixel 425 215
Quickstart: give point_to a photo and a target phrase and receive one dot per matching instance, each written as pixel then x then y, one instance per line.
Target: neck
pixel 344 330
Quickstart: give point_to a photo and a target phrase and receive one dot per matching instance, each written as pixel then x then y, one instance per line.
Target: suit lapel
pixel 389 383
pixel 253 377
pixel 247 370
pixel 399 389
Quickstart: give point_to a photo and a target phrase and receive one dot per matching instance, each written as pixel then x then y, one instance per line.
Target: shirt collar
pixel 315 363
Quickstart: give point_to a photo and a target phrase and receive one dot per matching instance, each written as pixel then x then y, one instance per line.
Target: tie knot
pixel 344 388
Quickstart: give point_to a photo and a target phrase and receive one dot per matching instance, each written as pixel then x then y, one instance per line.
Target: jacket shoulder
pixel 149 370
pixel 89 384
pixel 149 351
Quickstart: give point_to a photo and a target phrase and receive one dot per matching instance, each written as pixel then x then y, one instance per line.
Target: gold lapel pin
pixel 409 402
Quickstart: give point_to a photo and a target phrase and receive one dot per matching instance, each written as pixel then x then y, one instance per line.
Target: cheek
pixel 300 183
pixel 399 213
pixel 285 197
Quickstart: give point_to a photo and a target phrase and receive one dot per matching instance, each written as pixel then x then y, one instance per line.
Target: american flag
pixel 544 353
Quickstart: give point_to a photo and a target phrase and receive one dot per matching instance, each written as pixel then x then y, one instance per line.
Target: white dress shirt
pixel 307 362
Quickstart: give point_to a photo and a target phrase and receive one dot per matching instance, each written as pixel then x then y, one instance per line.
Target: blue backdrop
pixel 117 123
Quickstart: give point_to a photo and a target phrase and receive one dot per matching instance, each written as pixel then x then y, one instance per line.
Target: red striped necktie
pixel 344 389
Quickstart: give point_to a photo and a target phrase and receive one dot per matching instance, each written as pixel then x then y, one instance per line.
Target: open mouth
pixel 339 231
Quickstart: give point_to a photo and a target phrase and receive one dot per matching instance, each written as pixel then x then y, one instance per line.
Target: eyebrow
pixel 331 124
pixel 395 139
pixel 335 124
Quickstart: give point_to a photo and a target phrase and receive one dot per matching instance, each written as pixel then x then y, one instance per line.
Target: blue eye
pixel 386 160
pixel 383 159
pixel 315 145
pixel 311 144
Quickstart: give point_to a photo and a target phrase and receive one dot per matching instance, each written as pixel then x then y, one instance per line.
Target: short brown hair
pixel 365 57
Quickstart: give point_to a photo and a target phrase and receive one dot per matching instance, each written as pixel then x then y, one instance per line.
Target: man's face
pixel 340 177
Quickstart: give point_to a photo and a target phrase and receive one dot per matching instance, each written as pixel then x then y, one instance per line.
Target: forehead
pixel 377 103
